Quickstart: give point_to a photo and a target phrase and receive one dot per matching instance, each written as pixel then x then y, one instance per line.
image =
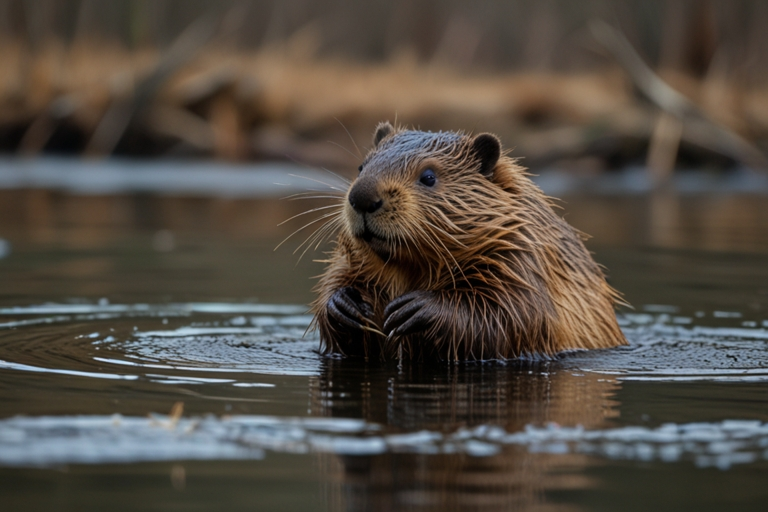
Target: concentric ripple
pixel 666 347
pixel 162 343
pixel 179 342
pixel 479 410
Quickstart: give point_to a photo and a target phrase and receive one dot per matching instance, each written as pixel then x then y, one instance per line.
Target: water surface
pixel 116 307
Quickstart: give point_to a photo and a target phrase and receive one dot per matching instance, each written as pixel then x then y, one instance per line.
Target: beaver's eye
pixel 428 178
pixel 360 169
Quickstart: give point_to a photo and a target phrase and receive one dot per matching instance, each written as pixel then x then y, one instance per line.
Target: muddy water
pixel 116 307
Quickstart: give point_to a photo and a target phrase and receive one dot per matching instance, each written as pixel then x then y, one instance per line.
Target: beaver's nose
pixel 364 198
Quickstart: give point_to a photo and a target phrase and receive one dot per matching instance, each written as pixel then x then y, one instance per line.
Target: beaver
pixel 448 250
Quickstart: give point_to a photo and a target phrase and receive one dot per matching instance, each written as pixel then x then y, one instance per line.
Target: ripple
pixel 220 344
pixel 175 343
pixel 56 440
pixel 663 347
pixel 28 368
pixel 164 309
pixel 168 344
pixel 268 345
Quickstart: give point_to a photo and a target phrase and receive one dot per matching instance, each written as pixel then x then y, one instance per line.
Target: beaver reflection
pixel 415 397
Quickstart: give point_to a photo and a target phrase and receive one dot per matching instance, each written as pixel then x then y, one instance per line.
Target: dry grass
pixel 280 102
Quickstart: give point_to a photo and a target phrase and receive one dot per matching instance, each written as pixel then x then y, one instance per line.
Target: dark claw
pixel 341 317
pixel 409 313
pixel 348 308
pixel 399 302
pixel 398 316
pixel 347 305
pixel 420 321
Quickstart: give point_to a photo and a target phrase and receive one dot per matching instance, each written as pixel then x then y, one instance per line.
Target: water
pixel 115 308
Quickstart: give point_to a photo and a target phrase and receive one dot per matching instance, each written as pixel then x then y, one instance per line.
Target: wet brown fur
pixel 500 274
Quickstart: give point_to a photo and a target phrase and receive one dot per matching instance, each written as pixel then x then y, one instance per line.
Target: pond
pixel 153 355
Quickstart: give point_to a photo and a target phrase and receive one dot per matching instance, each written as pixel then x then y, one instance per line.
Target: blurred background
pixel 145 145
pixel 152 158
pixel 584 86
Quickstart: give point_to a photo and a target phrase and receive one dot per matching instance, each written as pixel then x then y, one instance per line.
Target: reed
pixel 251 80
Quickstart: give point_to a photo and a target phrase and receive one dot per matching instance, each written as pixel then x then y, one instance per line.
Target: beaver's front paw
pixel 348 310
pixel 410 313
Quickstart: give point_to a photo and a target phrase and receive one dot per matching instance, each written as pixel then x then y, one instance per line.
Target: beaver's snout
pixel 364 198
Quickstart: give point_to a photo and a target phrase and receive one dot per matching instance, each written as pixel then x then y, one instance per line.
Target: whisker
pixel 312 197
pixel 336 175
pixel 332 227
pixel 333 217
pixel 342 147
pixel 350 137
pixel 319 235
pixel 346 181
pixel 322 194
pixel 310 211
pixel 316 234
pixel 307 166
pixel 317 181
pixel 323 217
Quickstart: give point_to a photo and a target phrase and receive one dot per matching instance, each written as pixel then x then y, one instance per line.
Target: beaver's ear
pixel 487 147
pixel 382 130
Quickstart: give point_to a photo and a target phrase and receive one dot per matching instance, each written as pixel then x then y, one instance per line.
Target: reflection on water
pixel 460 409
pixel 461 416
pixel 480 436
pixel 114 308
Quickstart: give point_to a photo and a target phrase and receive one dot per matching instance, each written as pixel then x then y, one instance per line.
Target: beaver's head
pixel 416 190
